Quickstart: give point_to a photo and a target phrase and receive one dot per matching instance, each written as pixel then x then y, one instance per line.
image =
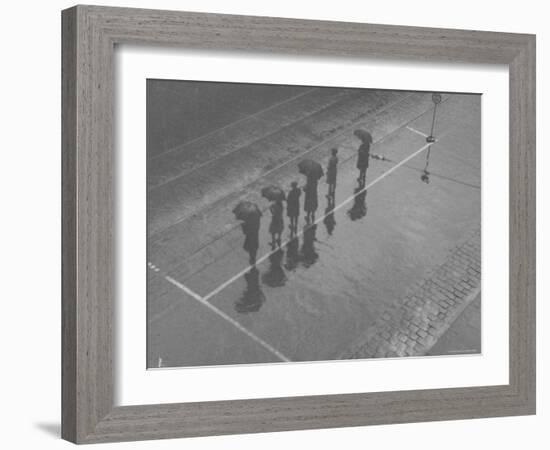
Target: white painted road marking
pixel 229 319
pixel 183 288
pixel 414 130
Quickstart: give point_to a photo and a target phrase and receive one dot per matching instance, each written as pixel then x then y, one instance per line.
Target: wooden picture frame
pixel 89 36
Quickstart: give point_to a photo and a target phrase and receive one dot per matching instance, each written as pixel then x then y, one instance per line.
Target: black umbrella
pixel 364 135
pixel 273 193
pixel 310 168
pixel 246 210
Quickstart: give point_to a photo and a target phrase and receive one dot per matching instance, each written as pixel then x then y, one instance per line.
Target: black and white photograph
pixel 306 223
pixel 270 225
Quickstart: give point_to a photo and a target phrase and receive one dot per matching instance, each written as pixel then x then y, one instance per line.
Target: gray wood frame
pixel 89 36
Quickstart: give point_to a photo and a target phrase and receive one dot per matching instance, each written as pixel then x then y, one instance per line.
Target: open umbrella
pixel 273 193
pixel 364 135
pixel 310 168
pixel 246 210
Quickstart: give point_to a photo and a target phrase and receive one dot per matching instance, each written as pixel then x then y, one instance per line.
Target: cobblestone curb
pixel 411 326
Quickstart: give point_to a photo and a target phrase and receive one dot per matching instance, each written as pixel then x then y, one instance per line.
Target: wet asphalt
pixel 312 297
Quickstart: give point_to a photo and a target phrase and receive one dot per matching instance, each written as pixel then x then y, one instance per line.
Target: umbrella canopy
pixel 310 168
pixel 246 210
pixel 273 193
pixel 364 135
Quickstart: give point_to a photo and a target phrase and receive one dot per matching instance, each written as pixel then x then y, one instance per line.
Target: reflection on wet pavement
pixel 306 256
pixel 359 208
pixel 253 297
pixel 275 275
pixel 309 254
pixel 292 256
pixel 329 220
pixel 311 292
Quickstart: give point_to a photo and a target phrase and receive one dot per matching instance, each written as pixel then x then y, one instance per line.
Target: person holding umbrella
pixel 276 196
pixel 363 154
pixel 293 206
pixel 313 171
pixel 250 215
pixel 277 225
pixel 332 169
pixel 311 202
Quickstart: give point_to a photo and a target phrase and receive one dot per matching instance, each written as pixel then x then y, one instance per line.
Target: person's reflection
pixel 292 255
pixel 309 254
pixel 275 275
pixel 359 208
pixel 253 297
pixel 329 220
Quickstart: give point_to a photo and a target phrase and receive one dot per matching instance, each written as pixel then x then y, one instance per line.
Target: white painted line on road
pixel 336 208
pixel 414 130
pixel 376 180
pixel 229 319
pixel 183 287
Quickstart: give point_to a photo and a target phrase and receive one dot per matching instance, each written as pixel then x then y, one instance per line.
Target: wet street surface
pixel 312 298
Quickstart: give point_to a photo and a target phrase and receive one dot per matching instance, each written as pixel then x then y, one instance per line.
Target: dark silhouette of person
pixel 359 208
pixel 275 275
pixel 253 298
pixel 277 224
pixel 311 202
pixel 292 255
pixel 309 254
pixel 251 230
pixel 332 170
pixel 363 156
pixel 293 207
pixel 329 220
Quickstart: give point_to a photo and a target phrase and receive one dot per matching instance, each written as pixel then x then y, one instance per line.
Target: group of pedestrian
pixel 313 172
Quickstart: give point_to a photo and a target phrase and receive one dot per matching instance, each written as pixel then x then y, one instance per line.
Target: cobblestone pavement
pixel 413 325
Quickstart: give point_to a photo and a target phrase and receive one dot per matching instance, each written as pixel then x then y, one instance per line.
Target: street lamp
pixel 436 98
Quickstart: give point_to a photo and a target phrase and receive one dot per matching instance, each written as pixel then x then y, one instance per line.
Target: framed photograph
pixel 277 224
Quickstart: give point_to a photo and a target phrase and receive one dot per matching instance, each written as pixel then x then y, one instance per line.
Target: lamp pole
pixel 436 98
